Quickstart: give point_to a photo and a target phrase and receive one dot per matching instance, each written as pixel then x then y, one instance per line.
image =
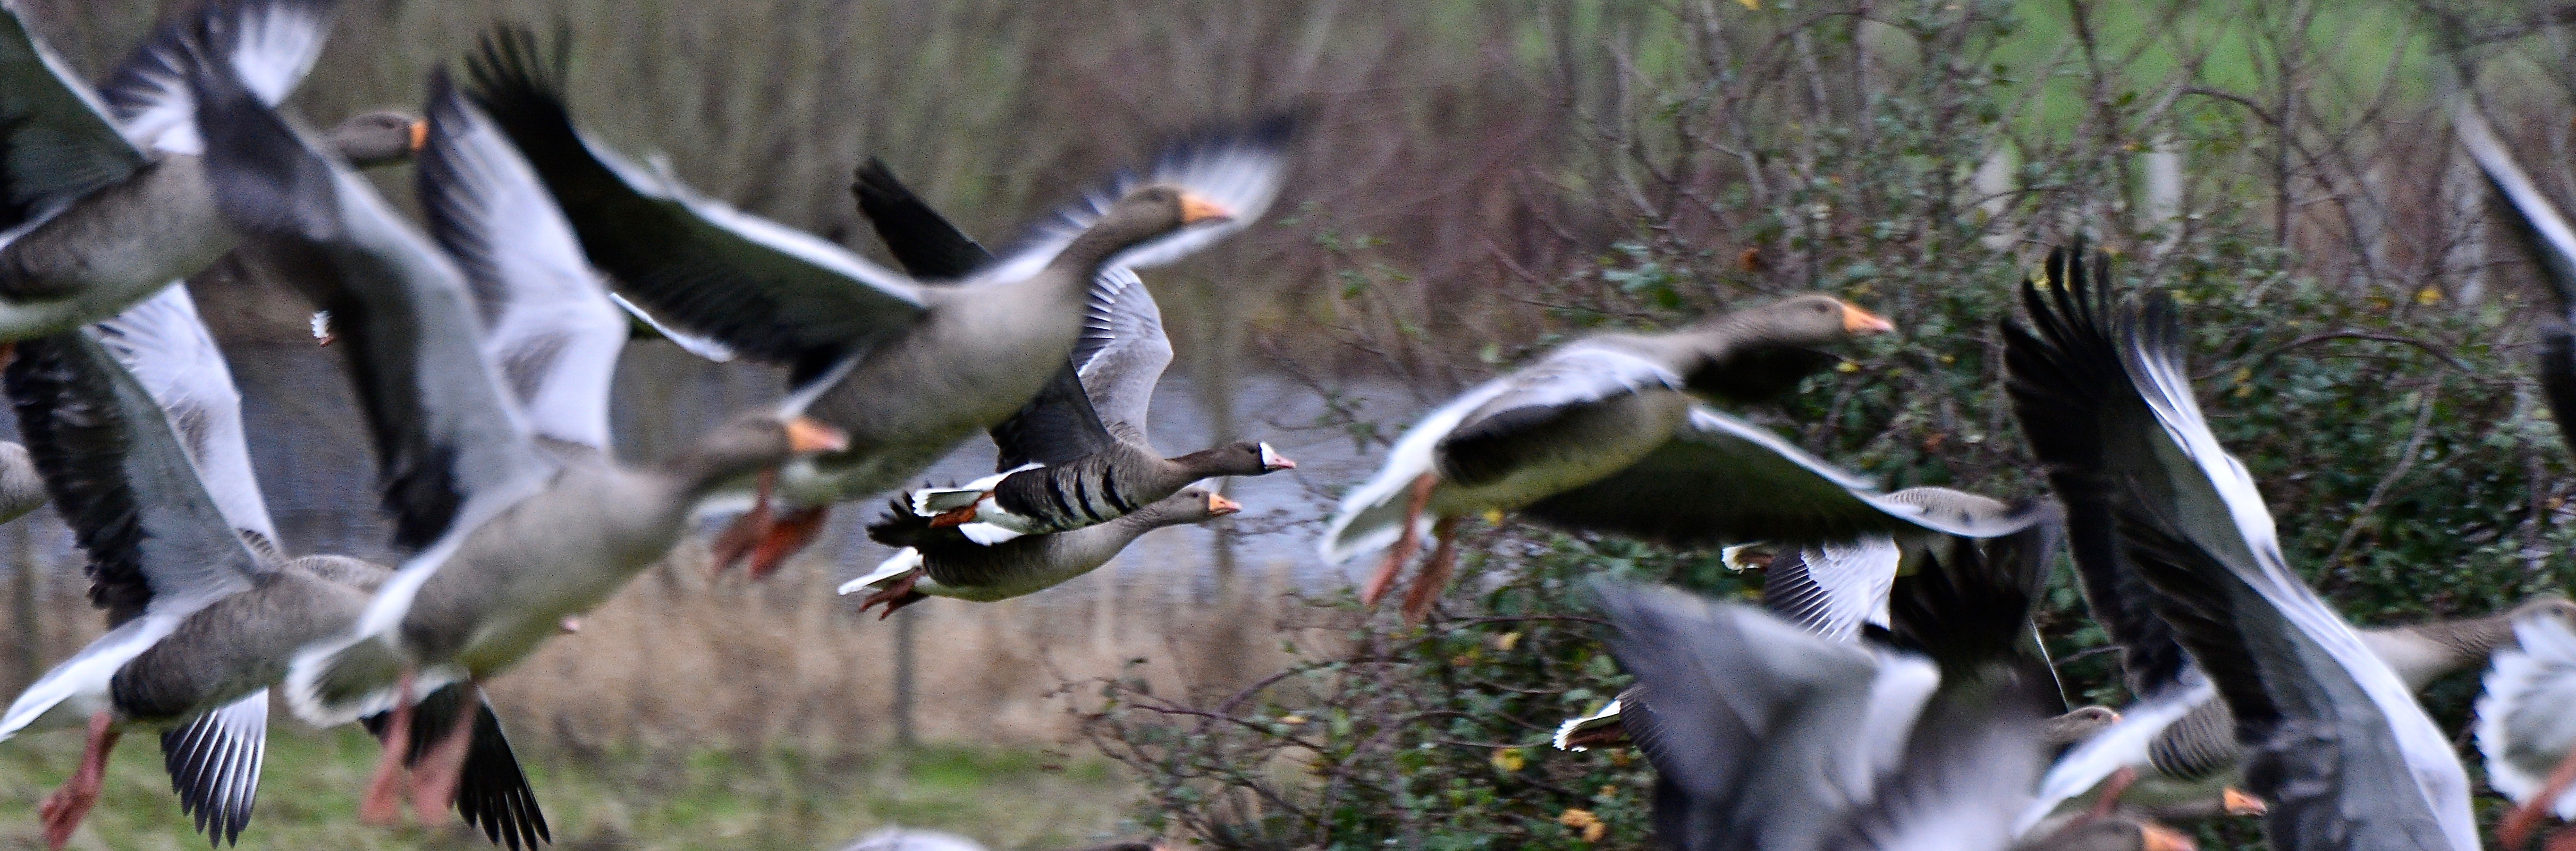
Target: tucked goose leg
pixel 434 781
pixel 1406 542
pixel 2517 825
pixel 895 595
pixel 749 530
pixel 381 804
pixel 1435 574
pixel 63 811
pixel 791 534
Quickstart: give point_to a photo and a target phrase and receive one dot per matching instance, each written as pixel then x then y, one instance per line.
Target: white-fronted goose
pixel 1606 434
pixel 1085 432
pixel 2338 748
pixel 928 366
pixel 1768 736
pixel 205 611
pixel 940 561
pixel 519 523
pixel 103 201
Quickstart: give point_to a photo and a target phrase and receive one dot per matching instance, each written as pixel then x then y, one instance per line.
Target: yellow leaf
pixel 1292 720
pixel 2428 296
pixel 1506 641
pixel 1578 819
pixel 1846 366
pixel 1508 759
pixel 1493 516
pixel 1754 5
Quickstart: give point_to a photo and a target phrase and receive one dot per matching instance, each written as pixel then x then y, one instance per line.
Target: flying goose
pixel 1769 736
pixel 928 366
pixel 1077 454
pixel 2338 748
pixel 205 610
pixel 940 561
pixel 519 517
pixel 2185 751
pixel 103 197
pixel 1607 434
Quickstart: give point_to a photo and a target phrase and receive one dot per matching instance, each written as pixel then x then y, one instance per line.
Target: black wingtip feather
pixel 925 243
pixel 73 426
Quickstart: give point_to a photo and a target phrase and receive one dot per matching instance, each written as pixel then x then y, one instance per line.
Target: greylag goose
pixel 103 198
pixel 941 562
pixel 927 366
pixel 2524 729
pixel 1769 736
pixel 519 516
pixel 1607 434
pixel 205 611
pixel 2186 752
pixel 1077 454
pixel 2337 746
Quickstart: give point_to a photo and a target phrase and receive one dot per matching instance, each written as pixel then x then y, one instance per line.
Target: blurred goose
pixel 916 839
pixel 2338 748
pixel 103 199
pixel 519 516
pixel 1606 434
pixel 1769 736
pixel 926 366
pixel 940 561
pixel 21 489
pixel 2182 752
pixel 1077 454
pixel 2524 729
pixel 204 609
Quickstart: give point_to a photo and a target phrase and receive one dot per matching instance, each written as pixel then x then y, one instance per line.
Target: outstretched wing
pixel 271 44
pixel 547 320
pixel 1240 171
pixel 56 141
pixel 756 286
pixel 164 345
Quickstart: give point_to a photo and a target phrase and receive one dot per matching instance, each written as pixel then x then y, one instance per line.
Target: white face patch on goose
pixel 1272 460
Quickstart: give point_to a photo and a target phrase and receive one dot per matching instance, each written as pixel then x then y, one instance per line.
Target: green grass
pixel 643 799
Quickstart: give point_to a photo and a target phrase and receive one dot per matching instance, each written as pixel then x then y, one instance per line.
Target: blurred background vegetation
pixel 1478 180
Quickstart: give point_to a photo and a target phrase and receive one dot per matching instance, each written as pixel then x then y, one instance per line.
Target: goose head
pixel 752 442
pixel 378 138
pixel 1810 320
pixel 2078 724
pixel 1190 505
pixel 1242 458
pixel 1144 213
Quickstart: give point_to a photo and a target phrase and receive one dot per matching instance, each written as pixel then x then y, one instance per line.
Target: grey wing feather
pixel 1968 767
pixel 272 44
pixel 547 319
pixel 1122 352
pixel 445 428
pixel 1832 588
pixel 214 763
pixel 1522 415
pixel 56 140
pixel 165 346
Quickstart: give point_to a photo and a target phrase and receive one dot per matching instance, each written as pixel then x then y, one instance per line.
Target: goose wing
pixel 56 140
pixel 2551 244
pixel 547 321
pixel 2523 726
pixel 213 762
pixel 1057 425
pixel 164 345
pixel 272 44
pixel 1968 766
pixel 492 792
pixel 1721 479
pixel 1760 728
pixel 2337 744
pixel 758 287
pixel 157 542
pixel 1122 352
pixel 1241 172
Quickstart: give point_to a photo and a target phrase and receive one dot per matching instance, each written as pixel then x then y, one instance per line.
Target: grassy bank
pixel 667 799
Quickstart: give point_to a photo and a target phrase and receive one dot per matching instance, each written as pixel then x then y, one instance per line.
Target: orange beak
pixel 1859 322
pixel 1221 506
pixel 2157 837
pixel 419 135
pixel 806 435
pixel 1196 209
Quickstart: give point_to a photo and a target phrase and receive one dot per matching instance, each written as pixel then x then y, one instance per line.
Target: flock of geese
pixel 1890 691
